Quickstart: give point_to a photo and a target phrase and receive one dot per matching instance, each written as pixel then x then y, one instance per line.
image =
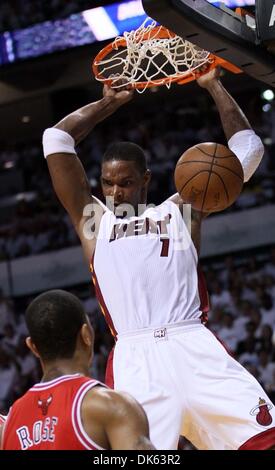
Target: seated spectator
pixel 9 379
pixel 219 297
pixel 267 309
pixel 6 312
pixel 249 354
pixel 28 366
pixel 11 339
pixel 227 333
pixel 264 342
pixel 266 369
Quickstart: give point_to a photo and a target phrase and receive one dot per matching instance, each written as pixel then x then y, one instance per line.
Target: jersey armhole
pixel 79 430
pixel 186 217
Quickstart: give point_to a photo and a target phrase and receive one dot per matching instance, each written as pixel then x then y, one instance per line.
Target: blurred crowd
pixel 242 297
pixel 17 14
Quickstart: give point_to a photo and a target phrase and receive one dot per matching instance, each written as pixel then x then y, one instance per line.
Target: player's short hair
pixel 54 320
pixel 126 151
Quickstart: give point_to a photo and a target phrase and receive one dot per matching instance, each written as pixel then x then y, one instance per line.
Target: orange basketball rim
pixel 153 56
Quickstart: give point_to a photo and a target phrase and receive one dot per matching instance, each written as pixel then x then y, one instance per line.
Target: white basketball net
pixel 144 60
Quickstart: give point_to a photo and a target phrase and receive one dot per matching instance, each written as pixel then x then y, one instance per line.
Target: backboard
pixel 242 40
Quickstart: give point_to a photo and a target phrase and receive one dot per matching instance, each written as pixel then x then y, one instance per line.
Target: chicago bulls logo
pixel 44 404
pixel 261 411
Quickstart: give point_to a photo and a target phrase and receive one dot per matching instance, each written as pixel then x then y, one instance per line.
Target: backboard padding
pixel 216 31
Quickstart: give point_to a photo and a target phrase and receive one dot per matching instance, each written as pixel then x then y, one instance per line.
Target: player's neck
pixel 53 370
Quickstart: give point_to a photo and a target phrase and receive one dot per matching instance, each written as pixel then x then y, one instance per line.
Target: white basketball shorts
pixel 189 385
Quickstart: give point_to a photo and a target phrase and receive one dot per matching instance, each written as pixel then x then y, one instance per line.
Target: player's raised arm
pixel 116 420
pixel 242 140
pixel 68 176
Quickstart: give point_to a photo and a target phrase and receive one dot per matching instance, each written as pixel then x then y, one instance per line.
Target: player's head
pixel 59 328
pixel 124 174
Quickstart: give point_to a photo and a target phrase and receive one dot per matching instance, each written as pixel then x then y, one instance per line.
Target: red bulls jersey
pixel 48 417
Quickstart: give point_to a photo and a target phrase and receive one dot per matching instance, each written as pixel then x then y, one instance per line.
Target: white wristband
pixel 249 149
pixel 57 141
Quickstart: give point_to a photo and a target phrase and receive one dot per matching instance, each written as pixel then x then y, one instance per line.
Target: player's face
pixel 123 181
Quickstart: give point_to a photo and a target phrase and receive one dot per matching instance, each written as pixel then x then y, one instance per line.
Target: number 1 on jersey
pixel 165 246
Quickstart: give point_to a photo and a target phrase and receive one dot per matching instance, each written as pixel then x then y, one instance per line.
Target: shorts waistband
pixel 160 333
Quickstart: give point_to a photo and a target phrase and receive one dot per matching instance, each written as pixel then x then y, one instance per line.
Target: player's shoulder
pixel 106 396
pixel 102 400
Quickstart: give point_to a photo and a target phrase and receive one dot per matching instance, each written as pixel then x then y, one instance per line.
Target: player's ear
pixel 32 346
pixel 86 335
pixel 147 177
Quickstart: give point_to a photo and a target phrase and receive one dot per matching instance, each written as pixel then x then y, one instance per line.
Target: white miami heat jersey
pixel 145 269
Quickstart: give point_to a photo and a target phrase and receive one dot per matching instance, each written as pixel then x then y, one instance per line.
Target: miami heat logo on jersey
pixel 261 411
pixel 44 404
pixel 138 227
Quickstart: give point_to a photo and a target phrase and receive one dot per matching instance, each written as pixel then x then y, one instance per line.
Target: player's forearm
pixel 81 122
pixel 242 140
pixel 232 118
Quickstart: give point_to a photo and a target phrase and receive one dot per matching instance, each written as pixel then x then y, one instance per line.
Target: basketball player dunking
pixel 67 409
pixel 144 267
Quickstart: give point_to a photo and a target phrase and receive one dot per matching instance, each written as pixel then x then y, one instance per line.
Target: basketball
pixel 209 177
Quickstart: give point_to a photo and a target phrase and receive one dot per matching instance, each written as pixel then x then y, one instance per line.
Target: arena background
pixel 45 72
